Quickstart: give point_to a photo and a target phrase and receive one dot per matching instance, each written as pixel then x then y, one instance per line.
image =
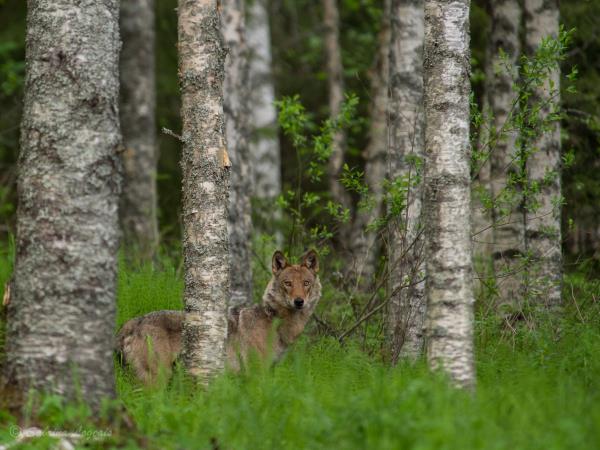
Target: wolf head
pixel 295 287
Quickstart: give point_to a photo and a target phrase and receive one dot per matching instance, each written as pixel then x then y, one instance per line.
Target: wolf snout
pixel 298 303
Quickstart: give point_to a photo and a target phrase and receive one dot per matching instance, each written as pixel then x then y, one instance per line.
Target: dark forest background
pixel 298 68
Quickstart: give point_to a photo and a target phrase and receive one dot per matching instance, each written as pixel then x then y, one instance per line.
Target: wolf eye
pixel 288 283
pixel 306 282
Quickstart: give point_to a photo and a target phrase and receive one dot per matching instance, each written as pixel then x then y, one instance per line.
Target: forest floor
pixel 536 389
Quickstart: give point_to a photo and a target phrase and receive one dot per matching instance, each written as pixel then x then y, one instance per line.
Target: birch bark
pixel 138 107
pixel 335 72
pixel 62 310
pixel 205 167
pixel 543 226
pixel 264 146
pixel 481 228
pixel 237 110
pixel 365 245
pixel 449 287
pixel 508 230
pixel 407 305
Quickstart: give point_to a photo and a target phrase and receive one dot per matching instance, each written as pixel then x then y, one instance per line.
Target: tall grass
pixel 536 389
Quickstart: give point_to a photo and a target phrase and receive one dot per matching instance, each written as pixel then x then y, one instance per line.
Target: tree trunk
pixel 333 54
pixel 481 226
pixel 543 226
pixel 365 245
pixel 264 146
pixel 407 305
pixel 137 108
pixel 205 167
pixel 481 218
pixel 236 108
pixel 62 311
pixel 508 231
pixel 447 190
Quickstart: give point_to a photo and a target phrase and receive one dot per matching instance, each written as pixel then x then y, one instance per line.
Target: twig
pixel 576 305
pixel 328 328
pixel 346 333
pixel 173 134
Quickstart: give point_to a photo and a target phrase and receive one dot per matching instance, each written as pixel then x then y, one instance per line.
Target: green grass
pixel 535 390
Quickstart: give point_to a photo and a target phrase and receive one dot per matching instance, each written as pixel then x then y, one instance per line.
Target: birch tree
pixel 138 108
pixel 364 241
pixel 205 166
pixel 335 74
pixel 61 314
pixel 449 290
pixel 508 230
pixel 481 216
pixel 236 108
pixel 264 145
pixel 543 227
pixel 407 305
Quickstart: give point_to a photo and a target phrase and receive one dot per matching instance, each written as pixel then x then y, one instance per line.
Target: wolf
pixel 150 344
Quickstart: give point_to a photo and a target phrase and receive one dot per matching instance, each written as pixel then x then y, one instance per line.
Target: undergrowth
pixel 536 389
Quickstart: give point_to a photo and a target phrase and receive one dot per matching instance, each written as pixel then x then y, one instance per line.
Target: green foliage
pixel 313 146
pixel 11 69
pixel 536 389
pixel 145 289
pixel 529 118
pixel 6 267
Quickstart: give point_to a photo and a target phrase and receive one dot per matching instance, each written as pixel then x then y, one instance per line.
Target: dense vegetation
pixel 538 376
pixel 537 388
pixel 298 69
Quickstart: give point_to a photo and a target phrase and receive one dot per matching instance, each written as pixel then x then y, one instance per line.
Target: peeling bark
pixel 205 167
pixel 508 231
pixel 449 290
pixel 62 309
pixel 137 108
pixel 236 108
pixel 407 305
pixel 264 146
pixel 543 226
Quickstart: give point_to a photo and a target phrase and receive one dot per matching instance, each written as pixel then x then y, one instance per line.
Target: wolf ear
pixel 278 263
pixel 310 260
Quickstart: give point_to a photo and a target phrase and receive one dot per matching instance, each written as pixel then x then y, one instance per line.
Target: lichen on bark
pixel 407 304
pixel 62 310
pixel 449 289
pixel 205 170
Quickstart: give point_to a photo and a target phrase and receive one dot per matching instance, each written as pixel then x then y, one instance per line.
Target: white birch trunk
pixel 264 146
pixel 543 226
pixel 407 305
pixel 235 102
pixel 62 309
pixel 449 290
pixel 508 231
pixel 481 227
pixel 335 74
pixel 138 107
pixel 205 167
pixel 365 245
